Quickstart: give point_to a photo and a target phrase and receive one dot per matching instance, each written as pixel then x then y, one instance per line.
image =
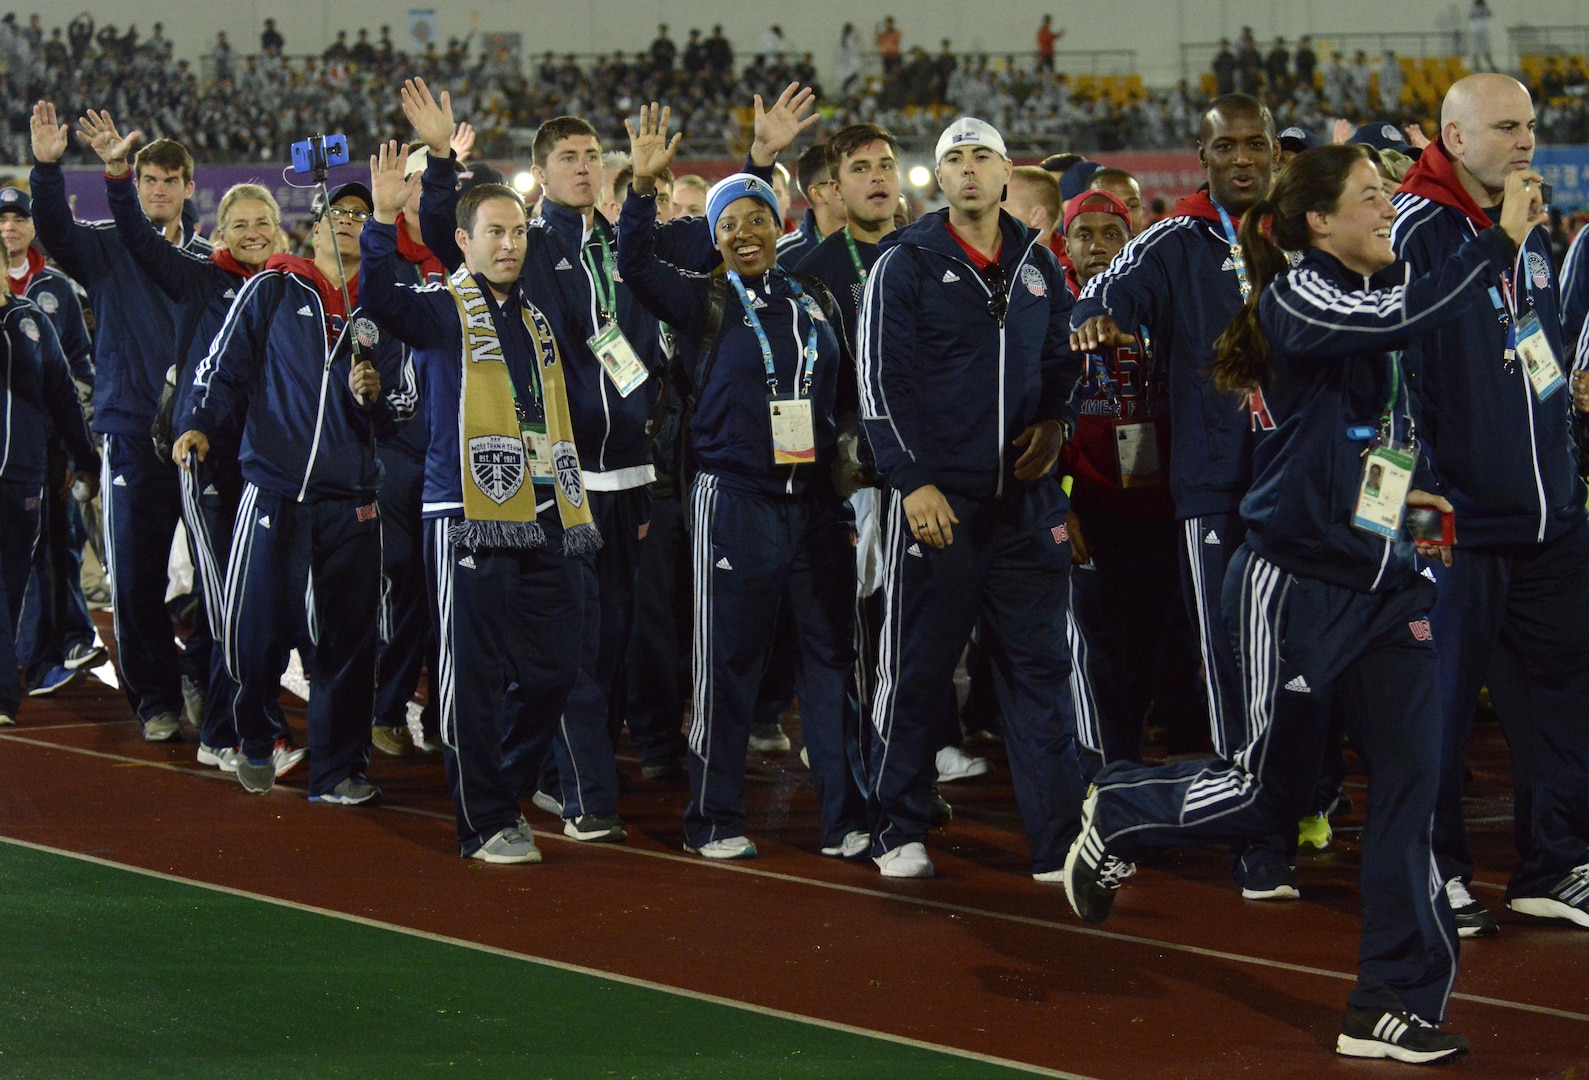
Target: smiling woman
pixel 247 219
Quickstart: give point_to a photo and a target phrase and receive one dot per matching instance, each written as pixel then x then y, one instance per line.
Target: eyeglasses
pixel 343 214
pixel 998 299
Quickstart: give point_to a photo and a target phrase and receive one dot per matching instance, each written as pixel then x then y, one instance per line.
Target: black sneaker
pixel 1092 875
pixel 1473 918
pixel 939 813
pixel 1379 1033
pixel 596 830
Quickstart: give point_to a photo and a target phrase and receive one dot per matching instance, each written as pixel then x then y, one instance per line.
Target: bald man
pixel 1032 197
pixel 1493 411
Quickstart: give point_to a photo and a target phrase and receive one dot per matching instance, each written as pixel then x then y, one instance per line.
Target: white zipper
pixel 595 321
pixel 1539 481
pixel 320 412
pixel 800 353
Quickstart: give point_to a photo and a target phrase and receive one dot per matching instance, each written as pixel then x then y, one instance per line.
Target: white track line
pixel 627 980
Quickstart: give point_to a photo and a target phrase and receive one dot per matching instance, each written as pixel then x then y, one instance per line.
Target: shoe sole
pixel 600 836
pixel 480 855
pixel 342 800
pixel 1544 907
pixel 1347 1046
pixel 1279 892
pixel 844 852
pixel 92 658
pixel 746 853
pixel 1488 930
pixel 46 691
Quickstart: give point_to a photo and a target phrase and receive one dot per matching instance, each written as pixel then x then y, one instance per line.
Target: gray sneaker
pixel 193 701
pixel 511 845
pixel 354 791
pixel 161 728
pixel 256 775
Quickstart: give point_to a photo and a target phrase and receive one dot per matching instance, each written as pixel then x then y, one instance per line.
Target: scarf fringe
pixel 582 540
pixel 497 534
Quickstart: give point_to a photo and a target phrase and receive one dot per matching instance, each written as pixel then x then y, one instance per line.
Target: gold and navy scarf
pixel 498 490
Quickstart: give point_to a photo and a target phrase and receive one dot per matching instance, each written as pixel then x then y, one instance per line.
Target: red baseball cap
pixel 1097 201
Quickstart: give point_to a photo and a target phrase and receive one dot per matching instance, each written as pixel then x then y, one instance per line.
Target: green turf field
pixel 109 973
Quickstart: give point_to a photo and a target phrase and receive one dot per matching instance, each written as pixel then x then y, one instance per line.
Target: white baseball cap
pixel 969 131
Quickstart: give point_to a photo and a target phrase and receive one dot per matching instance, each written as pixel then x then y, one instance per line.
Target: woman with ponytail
pixel 1324 601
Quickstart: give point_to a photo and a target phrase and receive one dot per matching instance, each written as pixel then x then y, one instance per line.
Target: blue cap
pixel 1381 135
pixel 17 201
pixel 1074 180
pixel 738 186
pixel 1297 138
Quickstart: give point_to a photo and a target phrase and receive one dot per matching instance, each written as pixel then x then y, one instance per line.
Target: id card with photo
pixel 794 440
pixel 1382 493
pixel 539 444
pixel 1539 360
pixel 618 359
pixel 1137 447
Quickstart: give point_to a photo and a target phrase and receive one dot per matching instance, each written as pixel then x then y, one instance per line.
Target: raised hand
pixel 650 148
pixel 1415 136
pixel 777 127
pixel 99 132
pixel 388 187
pixel 49 138
pixel 463 140
pixel 432 120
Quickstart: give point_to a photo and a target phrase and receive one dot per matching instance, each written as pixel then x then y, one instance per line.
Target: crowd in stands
pixel 254 105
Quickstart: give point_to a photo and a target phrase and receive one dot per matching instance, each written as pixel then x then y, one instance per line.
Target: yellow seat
pixel 1209 83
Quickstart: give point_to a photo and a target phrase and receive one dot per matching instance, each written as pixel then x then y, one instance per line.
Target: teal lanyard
pixel 855 255
pixel 1235 252
pixel 808 359
pixel 601 276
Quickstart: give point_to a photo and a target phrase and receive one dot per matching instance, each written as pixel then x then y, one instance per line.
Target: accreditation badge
pixel 1382 493
pixel 539 444
pixel 1539 359
pixel 794 439
pixel 618 358
pixel 1137 447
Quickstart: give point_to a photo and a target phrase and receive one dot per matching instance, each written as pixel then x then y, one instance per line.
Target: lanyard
pixel 808 358
pixel 1236 258
pixel 601 277
pixel 855 255
pixel 1110 380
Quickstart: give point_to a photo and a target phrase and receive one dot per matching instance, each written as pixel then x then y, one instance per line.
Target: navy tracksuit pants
pixel 306 576
pixel 511 627
pixel 408 638
pixel 658 660
pixel 142 503
pixel 211 492
pixel 19 536
pixel 1517 620
pixel 1208 543
pixel 592 786
pixel 1299 638
pixel 752 552
pixel 54 613
pixel 1130 641
pixel 1009 563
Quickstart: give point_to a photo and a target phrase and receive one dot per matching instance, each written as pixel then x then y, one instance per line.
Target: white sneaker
pixel 854 843
pixel 730 847
pixel 508 847
pixel 908 861
pixel 769 739
pixel 220 757
pixel 7 720
pixel 955 764
pixel 1050 877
